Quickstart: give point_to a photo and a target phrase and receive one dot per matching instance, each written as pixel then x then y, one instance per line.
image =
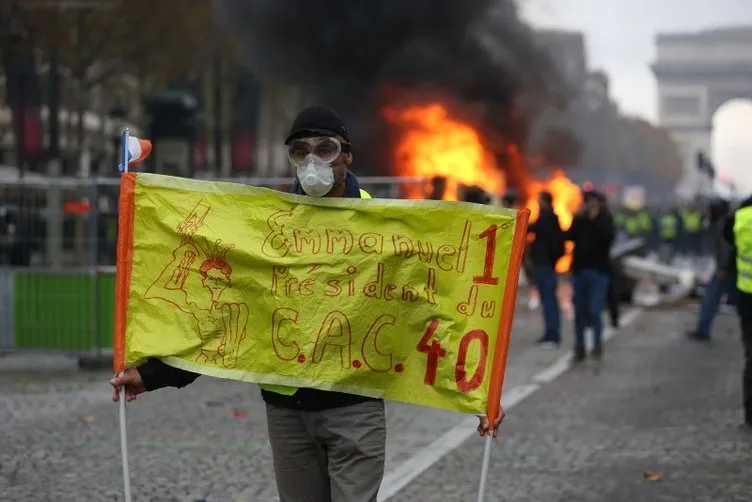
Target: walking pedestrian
pixel 669 232
pixel 511 200
pixel 592 233
pixel 691 223
pixel 545 251
pixel 612 298
pixel 723 280
pixel 326 446
pixel 738 232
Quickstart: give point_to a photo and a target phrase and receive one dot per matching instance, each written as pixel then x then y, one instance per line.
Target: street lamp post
pixel 15 34
pixel 217 112
pixel 118 117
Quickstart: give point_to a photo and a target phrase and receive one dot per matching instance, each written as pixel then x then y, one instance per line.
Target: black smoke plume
pixel 476 56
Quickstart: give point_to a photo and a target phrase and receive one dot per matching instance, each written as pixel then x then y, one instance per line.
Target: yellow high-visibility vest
pixel 743 242
pixel 633 225
pixel 669 226
pixel 692 221
pixel 646 222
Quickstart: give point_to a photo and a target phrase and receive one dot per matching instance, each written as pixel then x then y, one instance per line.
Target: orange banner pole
pixel 124 267
pixel 499 363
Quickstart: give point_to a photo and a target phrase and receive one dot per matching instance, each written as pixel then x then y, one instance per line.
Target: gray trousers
pixel 747 371
pixel 334 455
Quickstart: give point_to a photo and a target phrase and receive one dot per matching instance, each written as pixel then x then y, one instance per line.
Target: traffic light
pixel 705 165
pixel 172 114
pixel 173 127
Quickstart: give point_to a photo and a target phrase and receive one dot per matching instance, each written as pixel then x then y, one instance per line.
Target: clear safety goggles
pixel 323 147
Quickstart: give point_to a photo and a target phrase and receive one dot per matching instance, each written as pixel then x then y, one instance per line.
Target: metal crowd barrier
pixel 620 251
pixel 58 241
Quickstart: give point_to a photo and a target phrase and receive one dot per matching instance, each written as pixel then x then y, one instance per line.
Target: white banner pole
pixel 484 469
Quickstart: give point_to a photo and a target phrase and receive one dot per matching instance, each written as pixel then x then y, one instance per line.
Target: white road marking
pixel 559 367
pixel 397 479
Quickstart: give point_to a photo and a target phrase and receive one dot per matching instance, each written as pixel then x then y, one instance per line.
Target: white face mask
pixel 316 176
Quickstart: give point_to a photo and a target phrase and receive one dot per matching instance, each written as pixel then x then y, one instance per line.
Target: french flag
pixel 138 150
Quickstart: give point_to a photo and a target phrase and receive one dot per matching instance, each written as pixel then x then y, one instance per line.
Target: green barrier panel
pixel 54 311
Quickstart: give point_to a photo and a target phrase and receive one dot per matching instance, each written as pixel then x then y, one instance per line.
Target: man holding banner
pixel 328 444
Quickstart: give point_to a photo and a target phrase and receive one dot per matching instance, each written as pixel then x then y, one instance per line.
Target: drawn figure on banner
pixel 195 281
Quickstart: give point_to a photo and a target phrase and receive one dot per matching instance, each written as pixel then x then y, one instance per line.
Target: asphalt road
pixel 657 403
pixel 658 420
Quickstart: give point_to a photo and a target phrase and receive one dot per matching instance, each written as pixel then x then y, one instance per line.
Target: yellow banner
pixel 405 300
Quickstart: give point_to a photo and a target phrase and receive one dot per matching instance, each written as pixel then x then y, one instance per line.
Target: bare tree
pixel 99 43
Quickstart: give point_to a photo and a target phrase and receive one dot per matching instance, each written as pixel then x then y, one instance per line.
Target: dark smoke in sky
pixel 476 55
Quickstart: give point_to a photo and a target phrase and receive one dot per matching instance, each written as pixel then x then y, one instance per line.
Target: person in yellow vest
pixel 632 224
pixel 326 446
pixel 738 232
pixel 669 230
pixel 646 222
pixel 653 239
pixel 691 220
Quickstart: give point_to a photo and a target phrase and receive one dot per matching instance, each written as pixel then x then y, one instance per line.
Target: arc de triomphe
pixel 697 73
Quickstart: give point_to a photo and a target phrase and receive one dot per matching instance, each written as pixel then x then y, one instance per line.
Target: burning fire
pixel 433 144
pixel 567 198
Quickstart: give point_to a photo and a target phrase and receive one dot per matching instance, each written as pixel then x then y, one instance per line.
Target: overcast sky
pixel 620 37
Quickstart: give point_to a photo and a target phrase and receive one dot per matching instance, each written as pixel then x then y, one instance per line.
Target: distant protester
pixel 592 233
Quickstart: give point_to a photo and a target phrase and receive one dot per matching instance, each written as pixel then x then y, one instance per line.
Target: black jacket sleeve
pixel 604 223
pixel 728 229
pixel 724 251
pixel 574 229
pixel 545 226
pixel 156 375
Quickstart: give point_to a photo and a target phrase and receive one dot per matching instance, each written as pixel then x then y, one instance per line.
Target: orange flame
pixel 434 144
pixel 567 197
